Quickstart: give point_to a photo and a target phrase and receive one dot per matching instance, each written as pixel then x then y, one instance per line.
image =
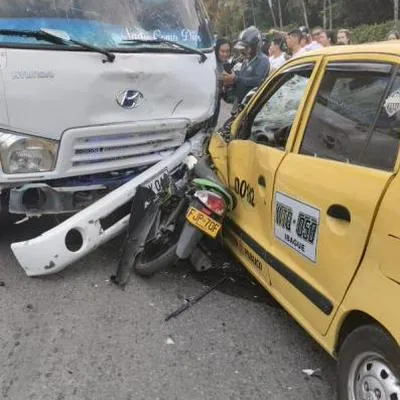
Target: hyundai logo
pixel 129 98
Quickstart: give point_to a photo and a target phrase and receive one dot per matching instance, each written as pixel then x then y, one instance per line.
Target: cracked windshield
pixel 109 23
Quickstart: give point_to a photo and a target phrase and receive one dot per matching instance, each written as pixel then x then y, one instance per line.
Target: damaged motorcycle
pixel 167 227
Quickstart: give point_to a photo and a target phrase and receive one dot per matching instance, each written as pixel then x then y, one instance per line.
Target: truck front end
pixel 94 93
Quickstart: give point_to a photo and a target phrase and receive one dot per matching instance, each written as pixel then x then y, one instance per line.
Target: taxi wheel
pixel 369 366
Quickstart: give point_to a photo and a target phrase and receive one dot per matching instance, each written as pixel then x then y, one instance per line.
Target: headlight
pixel 23 154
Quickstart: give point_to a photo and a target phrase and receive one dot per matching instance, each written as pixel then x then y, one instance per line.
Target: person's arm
pixel 260 72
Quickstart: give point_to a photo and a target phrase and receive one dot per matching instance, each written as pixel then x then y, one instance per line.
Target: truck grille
pixel 132 148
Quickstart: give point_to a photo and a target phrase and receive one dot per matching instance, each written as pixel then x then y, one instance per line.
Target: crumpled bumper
pixel 83 232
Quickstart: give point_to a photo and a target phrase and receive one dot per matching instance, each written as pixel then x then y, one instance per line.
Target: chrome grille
pixel 131 148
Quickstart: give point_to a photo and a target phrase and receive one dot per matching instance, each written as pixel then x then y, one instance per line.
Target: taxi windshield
pixel 108 24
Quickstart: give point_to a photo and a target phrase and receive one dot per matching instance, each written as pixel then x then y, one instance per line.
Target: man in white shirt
pixel 293 41
pixel 277 56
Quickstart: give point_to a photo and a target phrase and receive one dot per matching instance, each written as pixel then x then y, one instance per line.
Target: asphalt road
pixel 74 335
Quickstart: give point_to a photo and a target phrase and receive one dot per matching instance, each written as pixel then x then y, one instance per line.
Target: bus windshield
pixel 108 23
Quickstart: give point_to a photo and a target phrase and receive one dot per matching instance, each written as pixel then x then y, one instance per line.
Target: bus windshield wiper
pixel 130 42
pixel 57 37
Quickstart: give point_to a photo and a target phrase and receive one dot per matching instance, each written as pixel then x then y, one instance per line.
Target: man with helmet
pixel 254 68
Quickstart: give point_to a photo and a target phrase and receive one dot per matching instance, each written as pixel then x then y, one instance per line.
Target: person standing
pixel 277 56
pixel 326 38
pixel 343 37
pixel 265 45
pixel 312 42
pixel 293 41
pixel 222 54
pixel 254 69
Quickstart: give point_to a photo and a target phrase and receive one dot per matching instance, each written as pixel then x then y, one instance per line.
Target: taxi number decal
pixel 296 224
pixel 244 190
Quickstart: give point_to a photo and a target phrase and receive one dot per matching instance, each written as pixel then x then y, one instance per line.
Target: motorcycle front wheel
pixel 159 251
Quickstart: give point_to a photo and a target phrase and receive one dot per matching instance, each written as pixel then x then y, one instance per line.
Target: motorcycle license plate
pixel 159 182
pixel 203 222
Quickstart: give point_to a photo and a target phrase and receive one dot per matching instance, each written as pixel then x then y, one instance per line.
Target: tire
pixel 369 365
pixel 149 268
pixel 161 254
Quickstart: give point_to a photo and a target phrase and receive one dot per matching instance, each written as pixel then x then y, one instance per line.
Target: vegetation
pixel 371 33
pixel 366 18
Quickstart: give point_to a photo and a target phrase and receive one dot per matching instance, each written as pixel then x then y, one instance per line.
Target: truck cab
pixel 93 93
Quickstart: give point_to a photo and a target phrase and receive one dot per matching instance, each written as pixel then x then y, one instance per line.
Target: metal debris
pixel 193 300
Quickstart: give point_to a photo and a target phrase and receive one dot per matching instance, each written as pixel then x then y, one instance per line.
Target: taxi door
pixel 328 188
pixel 253 159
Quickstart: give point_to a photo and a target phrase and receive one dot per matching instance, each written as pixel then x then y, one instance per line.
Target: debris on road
pixel 21 221
pixel 189 302
pixel 143 211
pixel 2 283
pixel 169 341
pixel 312 372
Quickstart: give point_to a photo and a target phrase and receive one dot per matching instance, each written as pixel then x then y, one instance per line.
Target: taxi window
pixel 382 145
pixel 349 121
pixel 271 120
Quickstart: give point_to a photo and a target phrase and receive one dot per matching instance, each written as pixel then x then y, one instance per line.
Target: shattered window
pixel 382 145
pixel 273 122
pixel 350 120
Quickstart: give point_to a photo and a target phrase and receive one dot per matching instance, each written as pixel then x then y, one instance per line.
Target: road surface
pixel 74 335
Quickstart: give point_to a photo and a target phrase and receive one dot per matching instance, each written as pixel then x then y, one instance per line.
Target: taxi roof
pixel 386 47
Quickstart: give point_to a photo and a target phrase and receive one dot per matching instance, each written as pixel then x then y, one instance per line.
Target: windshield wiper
pixel 129 42
pixel 57 37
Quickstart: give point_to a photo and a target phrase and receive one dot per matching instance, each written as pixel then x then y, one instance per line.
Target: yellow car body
pixel 317 221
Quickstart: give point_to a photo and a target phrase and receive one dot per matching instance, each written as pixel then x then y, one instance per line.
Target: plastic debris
pixel 21 221
pixel 170 341
pixel 312 372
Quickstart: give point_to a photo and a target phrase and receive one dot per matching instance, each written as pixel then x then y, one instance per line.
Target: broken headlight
pixel 25 154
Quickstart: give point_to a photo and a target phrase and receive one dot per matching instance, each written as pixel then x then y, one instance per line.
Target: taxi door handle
pixel 261 181
pixel 339 212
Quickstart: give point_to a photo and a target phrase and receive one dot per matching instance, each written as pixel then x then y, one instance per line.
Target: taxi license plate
pixel 203 222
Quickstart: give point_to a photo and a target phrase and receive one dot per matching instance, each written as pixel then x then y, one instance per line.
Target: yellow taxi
pixel 313 159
